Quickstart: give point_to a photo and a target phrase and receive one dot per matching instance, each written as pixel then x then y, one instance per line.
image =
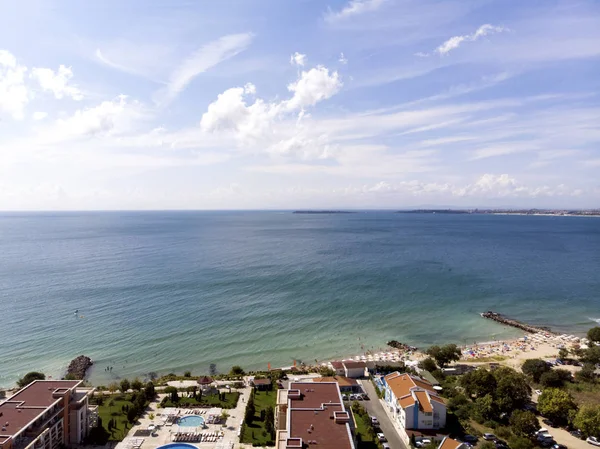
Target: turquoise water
pixel 191 421
pixel 174 291
pixel 178 446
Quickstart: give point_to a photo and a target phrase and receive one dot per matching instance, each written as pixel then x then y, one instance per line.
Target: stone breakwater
pixel 499 318
pixel 79 366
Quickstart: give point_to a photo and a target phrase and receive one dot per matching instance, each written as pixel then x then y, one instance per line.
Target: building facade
pixel 47 414
pixel 413 402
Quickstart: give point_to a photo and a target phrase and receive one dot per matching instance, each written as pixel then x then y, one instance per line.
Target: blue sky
pixel 263 104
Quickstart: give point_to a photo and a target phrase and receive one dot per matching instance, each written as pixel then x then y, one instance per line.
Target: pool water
pixel 191 421
pixel 178 446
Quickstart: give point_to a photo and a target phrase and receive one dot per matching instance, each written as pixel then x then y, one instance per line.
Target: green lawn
pixel 112 408
pixel 256 433
pixel 365 440
pixel 212 400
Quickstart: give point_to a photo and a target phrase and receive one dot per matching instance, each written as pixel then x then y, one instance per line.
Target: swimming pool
pixel 190 421
pixel 178 446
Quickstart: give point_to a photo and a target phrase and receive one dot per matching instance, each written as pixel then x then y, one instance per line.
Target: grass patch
pixel 364 437
pixel 212 400
pixel 112 407
pixel 256 434
pixel 585 392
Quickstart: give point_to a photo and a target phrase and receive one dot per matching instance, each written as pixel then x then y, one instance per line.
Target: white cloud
pixel 13 92
pixel 57 82
pixel 313 86
pixel 298 59
pixel 39 115
pixel 255 124
pixel 455 41
pixel 353 8
pixel 108 118
pixel 203 59
pixel 343 59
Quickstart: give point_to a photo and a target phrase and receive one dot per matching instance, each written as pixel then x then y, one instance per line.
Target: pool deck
pixel 165 434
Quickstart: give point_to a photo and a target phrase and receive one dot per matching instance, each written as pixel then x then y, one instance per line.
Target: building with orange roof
pixel 414 402
pixel 449 443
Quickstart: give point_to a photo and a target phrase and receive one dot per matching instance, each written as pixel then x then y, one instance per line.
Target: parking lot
pixel 374 408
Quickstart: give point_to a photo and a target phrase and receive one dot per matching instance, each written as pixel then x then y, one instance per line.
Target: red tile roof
pixel 349 364
pixel 343 381
pixel 312 416
pixel 30 402
pixel 337 365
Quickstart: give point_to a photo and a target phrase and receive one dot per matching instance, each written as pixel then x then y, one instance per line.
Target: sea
pixel 162 292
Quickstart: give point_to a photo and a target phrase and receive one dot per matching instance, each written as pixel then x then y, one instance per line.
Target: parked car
pixel 359 397
pixel 470 439
pixel 489 437
pixel 385 446
pixel 381 437
pixel 593 440
pixel 549 422
pixel 559 446
pixel 500 444
pixel 577 434
pixel 548 443
pixel 374 420
pixel 541 436
pixel 422 443
pixel 344 397
pixel 353 397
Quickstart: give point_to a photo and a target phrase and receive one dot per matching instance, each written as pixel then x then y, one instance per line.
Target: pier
pixel 499 318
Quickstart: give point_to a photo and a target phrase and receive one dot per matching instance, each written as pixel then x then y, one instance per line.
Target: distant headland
pixel 545 212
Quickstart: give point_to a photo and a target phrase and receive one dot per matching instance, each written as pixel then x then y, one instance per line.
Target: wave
pixel 597 320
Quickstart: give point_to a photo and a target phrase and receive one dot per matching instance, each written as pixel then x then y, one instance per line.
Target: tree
pixel 172 392
pixel 523 423
pixel 136 385
pixel 487 445
pixel 563 353
pixel 592 355
pixel 444 354
pixel 149 391
pixel 587 420
pixel 594 334
pixel 478 383
pixel 518 442
pixel 586 374
pixel 124 386
pixel 556 404
pixel 237 371
pixel 534 368
pixel 512 390
pixel 555 378
pixel 113 386
pixel 270 420
pixel 187 374
pixel 132 415
pixel 428 364
pixel 30 377
pixel 485 409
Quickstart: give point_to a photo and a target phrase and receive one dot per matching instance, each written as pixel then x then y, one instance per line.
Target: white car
pixel 374 421
pixel 423 442
pixel 593 440
pixel 381 437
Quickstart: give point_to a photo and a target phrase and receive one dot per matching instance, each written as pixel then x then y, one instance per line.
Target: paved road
pixel 563 437
pixel 374 408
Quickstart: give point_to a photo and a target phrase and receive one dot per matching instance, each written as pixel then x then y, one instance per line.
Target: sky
pixel 284 104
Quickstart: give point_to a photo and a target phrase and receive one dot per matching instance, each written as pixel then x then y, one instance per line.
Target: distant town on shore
pixel 556 212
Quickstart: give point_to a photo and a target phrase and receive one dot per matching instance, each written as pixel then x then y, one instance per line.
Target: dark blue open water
pixel 169 291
